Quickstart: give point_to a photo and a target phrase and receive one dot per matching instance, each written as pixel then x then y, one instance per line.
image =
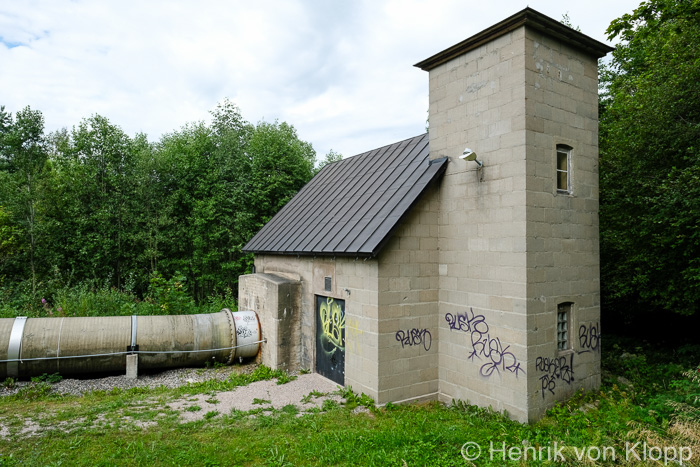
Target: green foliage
pixel 315 394
pixel 9 383
pixel 280 165
pixel 40 390
pixel 92 209
pixel 650 160
pixel 9 236
pixel 686 400
pixel 169 296
pixel 211 414
pixel 23 169
pixel 51 379
pixel 353 400
pixel 331 157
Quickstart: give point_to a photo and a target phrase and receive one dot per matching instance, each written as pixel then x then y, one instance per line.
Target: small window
pixel 563 168
pixel 327 283
pixel 563 318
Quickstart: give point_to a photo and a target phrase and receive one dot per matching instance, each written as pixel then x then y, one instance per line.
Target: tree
pixel 94 206
pixel 9 238
pixel 93 200
pixel 650 164
pixel 280 165
pixel 23 158
pixel 331 157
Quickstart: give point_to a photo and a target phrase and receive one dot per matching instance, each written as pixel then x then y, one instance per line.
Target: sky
pixel 340 72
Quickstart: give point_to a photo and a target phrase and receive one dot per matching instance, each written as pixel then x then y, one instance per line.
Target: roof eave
pixel 527 17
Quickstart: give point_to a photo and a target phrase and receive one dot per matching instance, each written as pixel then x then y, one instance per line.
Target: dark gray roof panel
pixel 352 206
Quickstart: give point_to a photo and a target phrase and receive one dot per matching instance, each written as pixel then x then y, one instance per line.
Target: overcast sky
pixel 341 72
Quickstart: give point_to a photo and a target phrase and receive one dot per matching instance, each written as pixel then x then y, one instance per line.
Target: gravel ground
pixel 169 378
pixel 307 392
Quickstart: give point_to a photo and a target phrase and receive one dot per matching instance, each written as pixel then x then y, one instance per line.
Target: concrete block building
pixel 424 270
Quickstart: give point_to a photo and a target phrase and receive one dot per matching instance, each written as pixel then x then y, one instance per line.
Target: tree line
pixel 93 205
pixel 650 164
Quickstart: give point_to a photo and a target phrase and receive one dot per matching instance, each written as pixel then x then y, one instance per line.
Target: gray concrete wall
pixel 511 247
pixel 477 101
pixel 277 301
pixel 356 282
pixel 408 307
pixel 561 88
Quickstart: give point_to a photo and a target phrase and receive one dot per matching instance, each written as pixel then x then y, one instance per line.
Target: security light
pixel 469 155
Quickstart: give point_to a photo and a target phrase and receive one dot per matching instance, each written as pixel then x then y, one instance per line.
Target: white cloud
pixel 341 72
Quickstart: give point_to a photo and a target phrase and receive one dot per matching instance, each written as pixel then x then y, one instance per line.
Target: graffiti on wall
pixel 589 338
pixel 560 370
pixel 555 370
pixel 411 337
pixel 352 336
pixel 330 338
pixel 483 346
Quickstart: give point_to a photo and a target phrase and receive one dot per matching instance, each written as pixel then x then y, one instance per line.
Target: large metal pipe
pixel 34 346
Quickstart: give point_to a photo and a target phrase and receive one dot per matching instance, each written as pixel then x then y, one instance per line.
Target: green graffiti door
pixel 330 338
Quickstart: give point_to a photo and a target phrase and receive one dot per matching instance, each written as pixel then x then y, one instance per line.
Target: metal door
pixel 330 338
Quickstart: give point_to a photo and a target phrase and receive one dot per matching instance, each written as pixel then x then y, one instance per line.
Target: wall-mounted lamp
pixel 469 155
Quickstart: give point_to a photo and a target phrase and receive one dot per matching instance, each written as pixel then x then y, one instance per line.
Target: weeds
pixel 9 383
pixel 211 414
pixel 51 379
pixel 315 394
pixel 352 400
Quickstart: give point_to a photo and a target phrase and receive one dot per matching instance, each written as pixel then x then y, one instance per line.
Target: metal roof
pixel 351 207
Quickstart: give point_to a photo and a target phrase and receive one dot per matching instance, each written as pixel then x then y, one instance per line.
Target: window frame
pixel 566 309
pixel 566 151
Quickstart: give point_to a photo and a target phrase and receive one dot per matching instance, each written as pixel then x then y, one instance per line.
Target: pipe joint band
pixel 133 346
pixel 14 348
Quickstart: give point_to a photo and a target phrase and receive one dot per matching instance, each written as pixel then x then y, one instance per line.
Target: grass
pixel 651 395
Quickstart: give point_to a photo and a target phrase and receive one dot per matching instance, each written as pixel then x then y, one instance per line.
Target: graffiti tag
pixel 415 336
pixel 330 338
pixel 243 332
pixel 555 369
pixel 477 323
pixel 332 322
pixel 498 357
pixel 589 338
pixel 352 335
